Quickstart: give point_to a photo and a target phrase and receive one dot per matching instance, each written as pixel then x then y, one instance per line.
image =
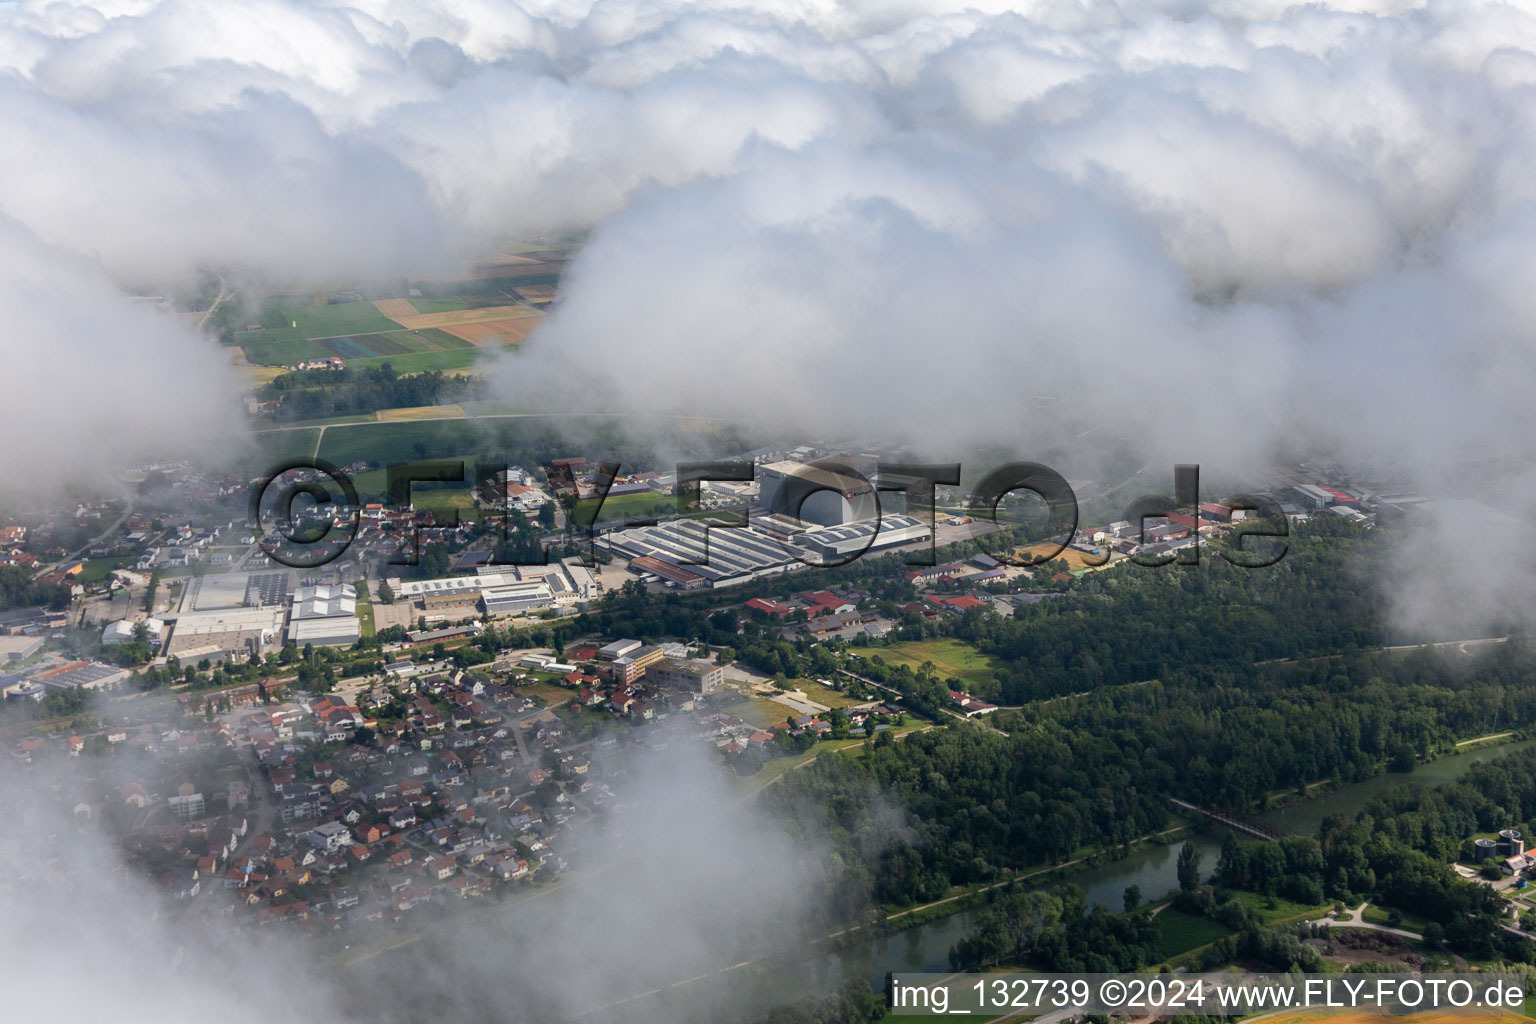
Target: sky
pixel 1259 221
pixel 1218 228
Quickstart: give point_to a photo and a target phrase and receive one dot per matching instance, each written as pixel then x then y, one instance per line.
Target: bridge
pixel 1233 820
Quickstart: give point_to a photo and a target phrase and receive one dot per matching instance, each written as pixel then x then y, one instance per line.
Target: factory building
pixel 331 631
pixel 325 616
pixel 815 494
pixel 673 551
pixel 685 674
pixel 734 554
pixel 503 589
pixel 837 544
pixel 517 598
pixel 122 631
pixel 225 633
pixel 619 648
pixel 324 602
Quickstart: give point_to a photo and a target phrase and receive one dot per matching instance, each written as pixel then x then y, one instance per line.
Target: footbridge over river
pixel 1234 820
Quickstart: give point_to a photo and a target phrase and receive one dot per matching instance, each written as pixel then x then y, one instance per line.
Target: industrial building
pixel 324 602
pixel 734 555
pixel 837 544
pixel 19 648
pixel 619 648
pixel 224 633
pixel 503 589
pixel 676 551
pixel 813 494
pixel 122 632
pixel 325 616
pixel 331 631
pixel 80 675
pixel 686 674
pixel 517 598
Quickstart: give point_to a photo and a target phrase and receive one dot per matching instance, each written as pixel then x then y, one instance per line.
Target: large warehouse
pixel 503 589
pixel 232 632
pixel 738 554
pixel 815 495
pixel 329 631
pixel 325 616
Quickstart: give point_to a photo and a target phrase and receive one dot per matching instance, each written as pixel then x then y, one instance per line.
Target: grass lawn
pixel 950 658
pixel 97 569
pixel 551 694
pixel 427 494
pixel 623 506
pixel 1283 910
pixel 1381 915
pixel 761 712
pixel 365 615
pixel 1179 932
pixel 823 694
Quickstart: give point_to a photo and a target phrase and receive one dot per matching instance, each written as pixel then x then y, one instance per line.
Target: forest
pixel 1396 852
pixel 312 394
pixel 1096 771
pixel 19 590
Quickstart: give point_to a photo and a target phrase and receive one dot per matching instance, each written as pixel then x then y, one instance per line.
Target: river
pixel 925 947
pixel 1154 870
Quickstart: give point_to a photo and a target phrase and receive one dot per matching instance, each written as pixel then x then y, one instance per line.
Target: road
pixel 224 296
pixel 103 535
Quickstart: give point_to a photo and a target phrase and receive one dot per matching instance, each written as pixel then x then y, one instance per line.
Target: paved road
pixel 103 535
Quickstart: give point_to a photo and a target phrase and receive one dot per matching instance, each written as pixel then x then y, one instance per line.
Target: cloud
pixel 1242 218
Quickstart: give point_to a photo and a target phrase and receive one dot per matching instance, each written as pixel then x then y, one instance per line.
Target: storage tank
pixel 1511 842
pixel 1485 849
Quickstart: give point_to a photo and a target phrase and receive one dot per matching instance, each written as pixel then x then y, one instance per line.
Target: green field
pixel 1179 932
pixel 363 348
pixel 1283 910
pixel 274 446
pixel 951 659
pixel 97 569
pixel 1383 916
pixel 365 614
pixel 294 329
pixel 625 506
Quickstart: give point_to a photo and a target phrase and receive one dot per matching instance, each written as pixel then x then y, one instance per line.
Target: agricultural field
pixel 274 446
pixel 291 329
pixel 536 293
pixel 503 331
pixel 951 658
pixel 419 412
pixel 482 325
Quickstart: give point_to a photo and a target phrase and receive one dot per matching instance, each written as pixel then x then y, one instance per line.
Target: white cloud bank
pixel 1266 223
